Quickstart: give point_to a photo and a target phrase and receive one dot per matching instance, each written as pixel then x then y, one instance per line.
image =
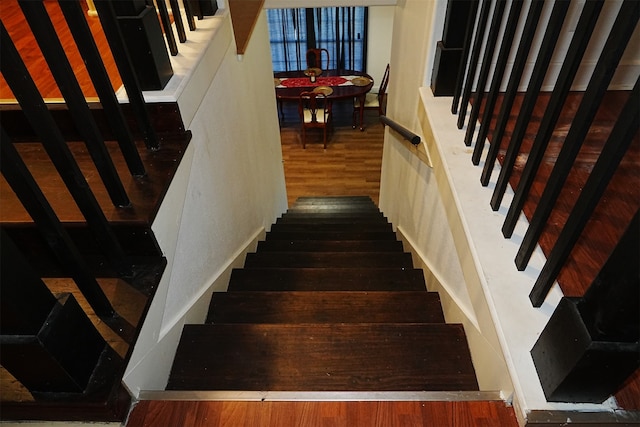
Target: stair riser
pixel 334 279
pixel 329 246
pixel 331 228
pixel 326 235
pixel 325 307
pixel 328 260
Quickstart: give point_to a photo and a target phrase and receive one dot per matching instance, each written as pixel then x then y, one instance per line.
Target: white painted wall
pixel 228 189
pixel 379 42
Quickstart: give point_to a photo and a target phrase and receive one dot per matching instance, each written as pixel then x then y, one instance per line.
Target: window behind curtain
pixel 340 30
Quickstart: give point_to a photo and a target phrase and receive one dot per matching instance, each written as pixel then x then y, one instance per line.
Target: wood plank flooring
pixel 349 166
pixel 312 414
pixel 13 19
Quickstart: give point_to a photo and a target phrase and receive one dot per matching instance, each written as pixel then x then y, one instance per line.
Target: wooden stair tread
pixel 330 235
pixel 317 357
pixel 325 307
pixel 333 199
pixel 327 279
pixel 330 219
pixel 330 245
pixel 328 259
pixel 331 227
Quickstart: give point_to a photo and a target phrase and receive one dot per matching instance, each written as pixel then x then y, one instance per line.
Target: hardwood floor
pixel 337 414
pixel 350 166
pixel 13 19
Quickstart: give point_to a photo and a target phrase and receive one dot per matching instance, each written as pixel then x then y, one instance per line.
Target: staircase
pixel 329 302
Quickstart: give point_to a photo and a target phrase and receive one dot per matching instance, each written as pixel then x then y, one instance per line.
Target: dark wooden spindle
pixel 177 18
pixel 22 183
pixel 58 63
pixel 489 49
pixel 577 47
pixel 129 80
pixel 612 52
pixel 473 62
pixel 74 15
pixel 188 10
pixel 529 31
pixel 24 89
pixel 616 146
pixel 551 36
pixel 168 29
pixel 466 47
pixel 496 80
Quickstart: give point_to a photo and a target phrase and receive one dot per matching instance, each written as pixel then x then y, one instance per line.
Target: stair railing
pixel 68 348
pixel 401 130
pixel 472 85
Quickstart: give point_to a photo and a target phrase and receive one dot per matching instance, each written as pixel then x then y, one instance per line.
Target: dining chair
pixel 315 112
pixel 373 101
pixel 314 58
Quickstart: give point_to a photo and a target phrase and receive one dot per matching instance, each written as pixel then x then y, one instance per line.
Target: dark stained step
pixel 325 307
pixel 330 215
pixel 328 259
pixel 330 245
pixel 327 279
pixel 323 357
pixel 332 228
pixel 339 208
pixel 312 219
pixel 330 235
pixel 333 199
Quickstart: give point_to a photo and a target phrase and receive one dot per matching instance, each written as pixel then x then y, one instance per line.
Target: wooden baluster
pixel 129 79
pixel 617 41
pixel 25 91
pixel 168 29
pixel 52 49
pixel 473 62
pixel 27 190
pixel 577 47
pixel 551 35
pixel 83 38
pixel 177 19
pixel 616 146
pixel 188 10
pixel 489 49
pixel 498 74
pixel 529 31
pixel 466 47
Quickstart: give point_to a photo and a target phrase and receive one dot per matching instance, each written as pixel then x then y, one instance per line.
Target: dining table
pixel 334 84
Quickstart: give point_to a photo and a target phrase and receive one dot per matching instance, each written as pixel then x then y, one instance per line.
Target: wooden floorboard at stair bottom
pixel 336 414
pixel 323 357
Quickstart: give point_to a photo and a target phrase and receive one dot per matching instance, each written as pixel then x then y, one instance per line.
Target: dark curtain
pixel 340 30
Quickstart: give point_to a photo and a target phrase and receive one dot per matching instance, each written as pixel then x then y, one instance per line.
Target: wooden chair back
pixel 315 58
pixel 314 110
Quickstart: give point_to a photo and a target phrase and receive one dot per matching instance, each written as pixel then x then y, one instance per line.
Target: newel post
pixel 590 345
pixel 143 37
pixel 458 26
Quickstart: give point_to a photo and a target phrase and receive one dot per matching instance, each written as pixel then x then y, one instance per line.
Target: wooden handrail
pixel 406 133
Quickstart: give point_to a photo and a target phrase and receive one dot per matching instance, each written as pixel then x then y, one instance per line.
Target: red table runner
pixel 320 81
